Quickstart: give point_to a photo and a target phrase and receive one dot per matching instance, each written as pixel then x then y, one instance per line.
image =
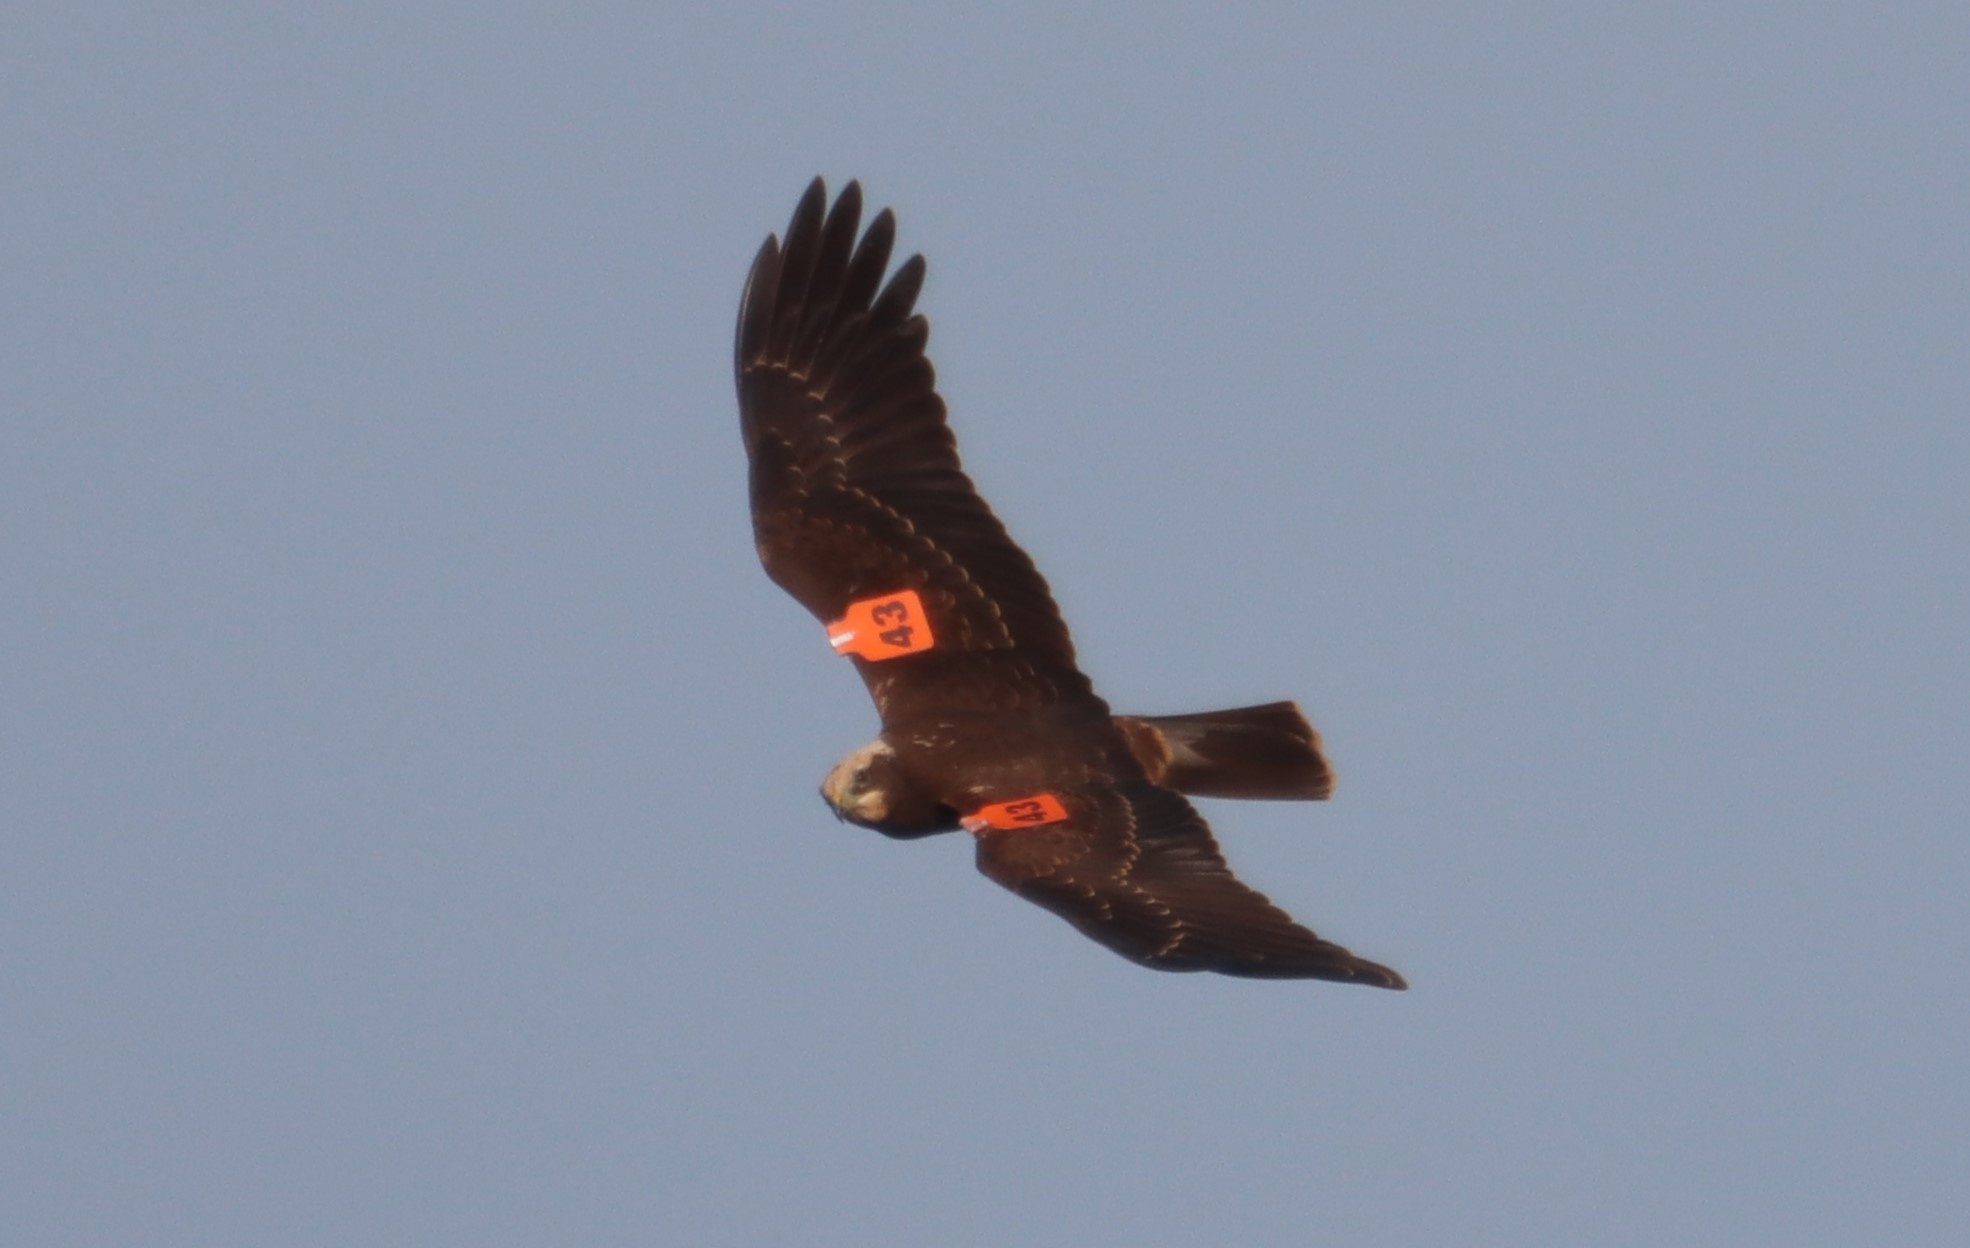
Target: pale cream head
pixel 852 789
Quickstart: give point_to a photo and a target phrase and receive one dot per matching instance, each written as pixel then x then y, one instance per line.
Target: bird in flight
pixel 861 512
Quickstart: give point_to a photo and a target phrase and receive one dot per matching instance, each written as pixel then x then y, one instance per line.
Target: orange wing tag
pixel 1027 812
pixel 888 627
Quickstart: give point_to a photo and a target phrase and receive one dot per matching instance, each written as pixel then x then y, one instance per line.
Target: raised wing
pixel 1135 868
pixel 856 487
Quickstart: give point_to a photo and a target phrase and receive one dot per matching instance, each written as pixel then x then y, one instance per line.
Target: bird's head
pixel 870 789
pixel 857 788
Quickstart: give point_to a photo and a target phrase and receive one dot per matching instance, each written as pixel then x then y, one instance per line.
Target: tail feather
pixel 1267 752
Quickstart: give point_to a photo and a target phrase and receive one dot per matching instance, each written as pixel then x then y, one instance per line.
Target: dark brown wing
pixel 1135 868
pixel 856 487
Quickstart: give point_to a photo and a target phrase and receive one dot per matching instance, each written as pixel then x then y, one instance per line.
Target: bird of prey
pixel 861 512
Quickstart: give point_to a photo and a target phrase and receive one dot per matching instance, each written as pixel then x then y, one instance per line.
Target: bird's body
pixel 862 512
pixel 935 767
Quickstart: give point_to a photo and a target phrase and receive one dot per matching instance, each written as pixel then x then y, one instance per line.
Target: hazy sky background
pixel 408 825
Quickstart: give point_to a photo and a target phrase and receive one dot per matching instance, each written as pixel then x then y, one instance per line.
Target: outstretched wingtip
pixel 1377 976
pixel 756 303
pixel 1338 966
pixel 813 199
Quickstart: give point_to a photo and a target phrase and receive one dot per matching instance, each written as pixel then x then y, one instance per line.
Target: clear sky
pixel 408 816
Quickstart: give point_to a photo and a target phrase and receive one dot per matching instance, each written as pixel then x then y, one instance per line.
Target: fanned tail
pixel 1265 752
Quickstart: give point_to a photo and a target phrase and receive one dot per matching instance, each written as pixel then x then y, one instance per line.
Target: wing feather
pixel 1135 868
pixel 857 489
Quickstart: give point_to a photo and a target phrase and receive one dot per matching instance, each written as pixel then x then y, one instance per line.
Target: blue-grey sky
pixel 408 815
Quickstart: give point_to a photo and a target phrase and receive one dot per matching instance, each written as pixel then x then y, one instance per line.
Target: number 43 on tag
pixel 887 627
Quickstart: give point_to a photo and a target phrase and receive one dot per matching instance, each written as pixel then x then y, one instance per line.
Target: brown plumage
pixel 858 499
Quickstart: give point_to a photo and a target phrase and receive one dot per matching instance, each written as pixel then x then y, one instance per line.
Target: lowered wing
pixel 1134 867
